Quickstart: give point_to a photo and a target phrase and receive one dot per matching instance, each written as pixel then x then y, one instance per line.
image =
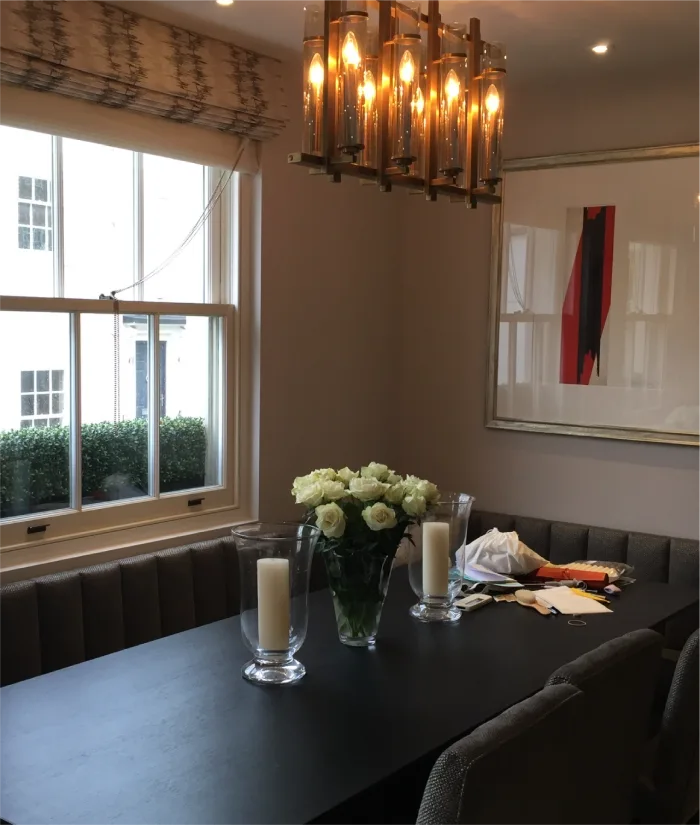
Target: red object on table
pixel 589 577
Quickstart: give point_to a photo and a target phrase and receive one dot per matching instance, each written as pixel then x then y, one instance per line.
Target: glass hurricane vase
pixel 275 566
pixel 358 582
pixel 432 568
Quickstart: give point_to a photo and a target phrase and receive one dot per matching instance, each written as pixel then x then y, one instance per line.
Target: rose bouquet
pixel 363 516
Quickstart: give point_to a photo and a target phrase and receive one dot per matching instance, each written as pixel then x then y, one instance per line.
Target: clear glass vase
pixel 358 582
pixel 275 566
pixel 432 567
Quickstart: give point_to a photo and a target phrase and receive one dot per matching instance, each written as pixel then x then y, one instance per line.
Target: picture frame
pixel 593 307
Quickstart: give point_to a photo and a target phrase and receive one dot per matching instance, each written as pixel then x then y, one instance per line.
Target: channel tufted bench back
pixel 62 619
pixel 655 558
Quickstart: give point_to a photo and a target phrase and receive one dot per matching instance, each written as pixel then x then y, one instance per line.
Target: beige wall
pixel 329 341
pixel 444 291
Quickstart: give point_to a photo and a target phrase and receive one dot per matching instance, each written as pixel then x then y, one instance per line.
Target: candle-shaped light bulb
pixel 452 86
pixel 350 52
pixel 369 90
pixel 407 68
pixel 316 72
pixel 493 100
pixel 419 102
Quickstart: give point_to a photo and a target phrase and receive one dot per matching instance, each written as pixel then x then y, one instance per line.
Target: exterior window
pixel 85 433
pixel 42 400
pixel 34 219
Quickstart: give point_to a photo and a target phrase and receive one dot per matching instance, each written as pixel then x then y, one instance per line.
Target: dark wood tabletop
pixel 169 732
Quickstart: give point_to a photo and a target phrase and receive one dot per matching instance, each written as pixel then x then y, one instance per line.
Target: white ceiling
pixel 547 40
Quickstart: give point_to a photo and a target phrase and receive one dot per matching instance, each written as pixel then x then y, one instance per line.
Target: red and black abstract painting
pixel 587 299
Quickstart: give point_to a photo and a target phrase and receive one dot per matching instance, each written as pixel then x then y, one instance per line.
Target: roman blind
pixel 127 64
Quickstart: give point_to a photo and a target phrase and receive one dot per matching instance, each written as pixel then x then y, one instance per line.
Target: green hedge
pixel 34 462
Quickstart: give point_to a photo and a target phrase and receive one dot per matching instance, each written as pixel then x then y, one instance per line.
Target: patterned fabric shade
pixel 97 52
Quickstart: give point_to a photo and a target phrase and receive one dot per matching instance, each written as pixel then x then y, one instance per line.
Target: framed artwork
pixel 594 296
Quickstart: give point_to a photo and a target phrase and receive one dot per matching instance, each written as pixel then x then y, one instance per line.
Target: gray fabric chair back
pixel 655 558
pixel 617 680
pixel 523 766
pixel 674 782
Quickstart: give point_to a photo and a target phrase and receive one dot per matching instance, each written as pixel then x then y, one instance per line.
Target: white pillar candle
pixel 436 558
pixel 273 604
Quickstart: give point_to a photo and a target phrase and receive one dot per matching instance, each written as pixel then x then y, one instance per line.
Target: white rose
pixel 427 489
pixel 374 470
pixel 333 490
pixel 367 489
pixel 379 517
pixel 410 483
pixel 330 519
pixel 302 481
pixel 327 474
pixel 414 505
pixel 395 493
pixel 311 495
pixel 392 478
pixel 346 475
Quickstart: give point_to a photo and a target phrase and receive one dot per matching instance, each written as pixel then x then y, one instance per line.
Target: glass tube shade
pixel 314 78
pixel 452 138
pixel 492 90
pixel 352 42
pixel 369 115
pixel 407 100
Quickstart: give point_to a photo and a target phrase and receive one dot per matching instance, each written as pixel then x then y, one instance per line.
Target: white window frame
pixel 35 416
pixel 117 529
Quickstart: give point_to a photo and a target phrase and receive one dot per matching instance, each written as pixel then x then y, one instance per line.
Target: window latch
pixel 36 528
pixel 193 502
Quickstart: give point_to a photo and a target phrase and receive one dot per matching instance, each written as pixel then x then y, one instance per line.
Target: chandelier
pixel 393 96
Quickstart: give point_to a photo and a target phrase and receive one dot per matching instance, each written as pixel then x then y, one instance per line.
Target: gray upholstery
pixel 655 558
pixel 526 765
pixel 670 794
pixel 617 680
pixel 59 620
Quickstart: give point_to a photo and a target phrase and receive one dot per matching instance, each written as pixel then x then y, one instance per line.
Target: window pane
pixel 49 240
pixel 57 380
pixel 98 215
pixel 27 405
pixel 42 381
pixel 23 213
pixel 25 186
pixel 38 215
pixel 38 239
pixel 42 404
pixel 48 216
pixel 56 402
pixel 54 422
pixel 26 156
pixel 190 394
pixel 41 190
pixel 34 462
pixel 115 452
pixel 173 202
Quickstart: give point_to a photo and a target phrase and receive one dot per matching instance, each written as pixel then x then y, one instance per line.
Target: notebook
pixel 563 600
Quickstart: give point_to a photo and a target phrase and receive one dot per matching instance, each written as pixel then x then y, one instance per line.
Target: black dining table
pixel 169 732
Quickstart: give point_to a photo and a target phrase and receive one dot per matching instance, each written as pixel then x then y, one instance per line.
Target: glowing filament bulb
pixel 407 68
pixel 316 71
pixel 369 89
pixel 493 100
pixel 350 52
pixel 452 86
pixel 418 102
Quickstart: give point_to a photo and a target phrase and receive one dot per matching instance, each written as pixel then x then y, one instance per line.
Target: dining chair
pixel 524 766
pixel 670 793
pixel 617 680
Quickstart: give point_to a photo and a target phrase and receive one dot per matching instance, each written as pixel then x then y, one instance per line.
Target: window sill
pixel 53 557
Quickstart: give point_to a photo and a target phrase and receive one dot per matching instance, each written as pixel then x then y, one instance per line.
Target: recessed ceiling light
pixel 601 48
pixel 225 2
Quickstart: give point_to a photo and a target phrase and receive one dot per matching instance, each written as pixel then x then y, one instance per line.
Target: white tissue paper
pixel 501 553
